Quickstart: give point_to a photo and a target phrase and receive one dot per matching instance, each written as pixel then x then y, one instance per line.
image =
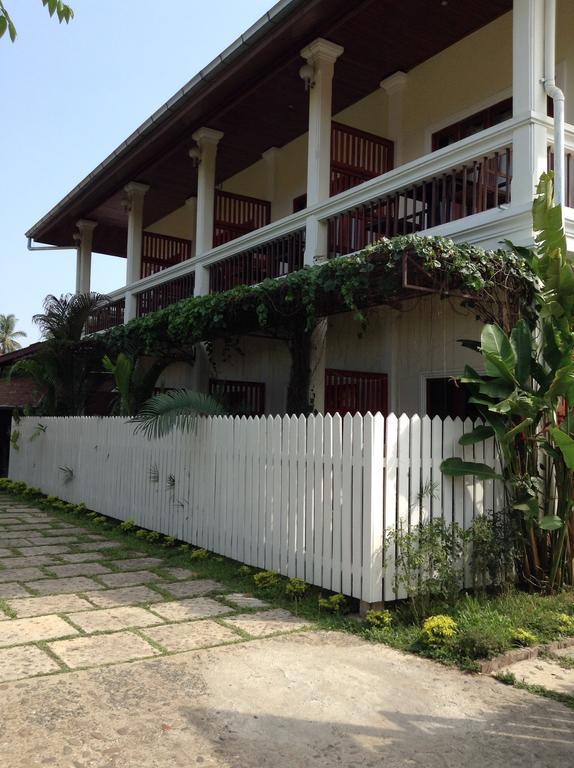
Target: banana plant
pixel 526 400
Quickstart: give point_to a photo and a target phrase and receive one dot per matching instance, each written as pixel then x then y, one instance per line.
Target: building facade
pixel 323 128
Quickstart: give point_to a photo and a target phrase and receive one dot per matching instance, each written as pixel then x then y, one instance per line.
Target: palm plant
pixel 62 367
pixel 178 409
pixel 134 379
pixel 9 334
pixel 526 399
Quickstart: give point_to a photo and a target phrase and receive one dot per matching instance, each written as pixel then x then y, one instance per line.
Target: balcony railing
pixel 164 294
pixel 273 258
pixel 480 185
pixel 106 317
pixel 357 156
pixel 161 251
pixel 464 191
pixel 236 215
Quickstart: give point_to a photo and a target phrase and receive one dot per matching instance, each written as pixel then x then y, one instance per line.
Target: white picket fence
pixel 312 497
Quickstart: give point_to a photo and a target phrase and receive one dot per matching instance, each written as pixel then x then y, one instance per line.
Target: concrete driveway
pixel 103 669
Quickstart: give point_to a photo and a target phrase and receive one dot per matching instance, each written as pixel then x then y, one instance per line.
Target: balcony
pixel 463 191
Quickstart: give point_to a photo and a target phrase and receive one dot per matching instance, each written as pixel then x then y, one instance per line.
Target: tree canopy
pixel 55 7
pixel 9 334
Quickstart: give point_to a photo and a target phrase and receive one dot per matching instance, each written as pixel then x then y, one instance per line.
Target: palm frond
pixel 65 317
pixel 177 409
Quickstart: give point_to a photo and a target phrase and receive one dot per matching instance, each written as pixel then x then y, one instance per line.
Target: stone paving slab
pixel 45 541
pixel 136 564
pixel 60 586
pixel 78 569
pixel 194 608
pixel 96 546
pixel 56 549
pixel 123 596
pixel 129 578
pixel 67 530
pixel 27 562
pixel 6 552
pixel 114 619
pixel 12 590
pixel 266 622
pixel 19 631
pixel 18 543
pixel 25 661
pixel 82 557
pixel 192 588
pixel 191 635
pixel 245 601
pixel 179 573
pixel 26 527
pixel 38 606
pixel 542 672
pixel 21 574
pixel 102 649
pixel 10 521
pixel 9 536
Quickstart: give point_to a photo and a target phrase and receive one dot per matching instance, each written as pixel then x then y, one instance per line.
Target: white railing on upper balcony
pixel 455 188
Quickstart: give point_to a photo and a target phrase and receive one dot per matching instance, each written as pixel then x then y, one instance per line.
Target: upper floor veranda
pixel 323 128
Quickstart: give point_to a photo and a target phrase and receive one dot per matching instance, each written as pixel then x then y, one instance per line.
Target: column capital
pixel 135 189
pixel 206 135
pixel 322 51
pixel 395 83
pixel 86 225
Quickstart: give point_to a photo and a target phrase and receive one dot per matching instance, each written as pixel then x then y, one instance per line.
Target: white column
pixel 207 140
pixel 320 56
pixel 394 89
pixel 191 204
pixel 136 193
pixel 84 254
pixel 529 97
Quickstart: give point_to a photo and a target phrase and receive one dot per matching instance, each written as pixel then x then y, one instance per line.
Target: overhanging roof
pixel 252 92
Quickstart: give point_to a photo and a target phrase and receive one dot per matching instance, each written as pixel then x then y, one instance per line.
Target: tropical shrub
pixel 526 399
pixel 379 619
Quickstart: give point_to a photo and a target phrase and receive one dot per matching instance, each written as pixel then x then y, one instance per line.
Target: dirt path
pixel 112 662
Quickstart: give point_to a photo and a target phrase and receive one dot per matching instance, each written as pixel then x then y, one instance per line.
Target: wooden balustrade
pixel 569 178
pixel 240 398
pixel 106 317
pixel 357 156
pixel 478 186
pixel 355 392
pixel 161 296
pixel 236 215
pixel 161 251
pixel 275 258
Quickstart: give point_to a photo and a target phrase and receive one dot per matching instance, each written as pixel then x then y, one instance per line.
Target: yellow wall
pixel 176 224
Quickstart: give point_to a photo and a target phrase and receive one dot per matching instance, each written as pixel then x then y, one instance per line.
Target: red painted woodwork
pixel 475 123
pixel 355 392
pixel 357 156
pixel 241 398
pixel 161 251
pixel 273 259
pixel 236 215
pixel 106 317
pixel 480 185
pixel 161 296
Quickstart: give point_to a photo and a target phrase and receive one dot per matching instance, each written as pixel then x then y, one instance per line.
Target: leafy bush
pixel 493 540
pixel 169 541
pixel 438 630
pixel 523 638
pixel 199 554
pixel 266 580
pixel 379 619
pixel 296 588
pixel 244 570
pixel 127 526
pixel 565 624
pixel 430 563
pixel 333 604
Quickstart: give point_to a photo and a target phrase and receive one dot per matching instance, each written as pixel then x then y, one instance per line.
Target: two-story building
pixel 324 127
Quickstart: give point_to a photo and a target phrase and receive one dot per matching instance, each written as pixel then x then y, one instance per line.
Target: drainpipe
pixel 557 97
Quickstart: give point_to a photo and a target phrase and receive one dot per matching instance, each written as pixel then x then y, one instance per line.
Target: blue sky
pixel 70 95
